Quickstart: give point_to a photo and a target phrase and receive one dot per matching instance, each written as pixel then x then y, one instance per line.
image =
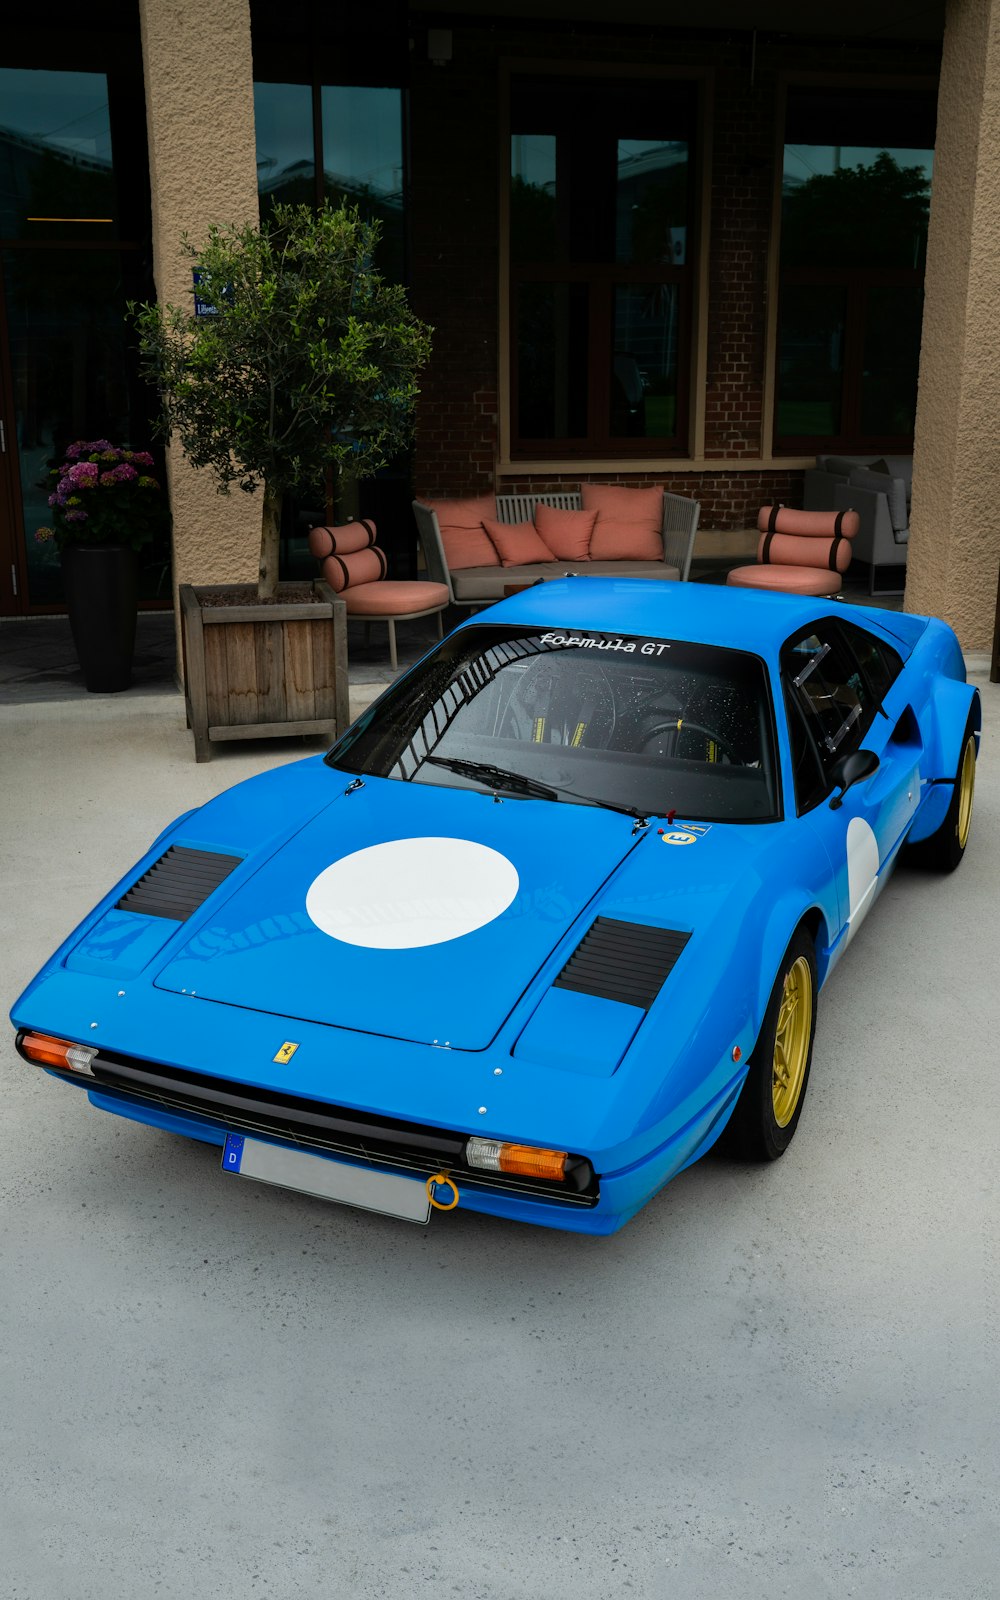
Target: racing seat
pixel 800 552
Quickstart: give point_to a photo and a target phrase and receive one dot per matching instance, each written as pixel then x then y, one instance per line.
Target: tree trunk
pixel 270 544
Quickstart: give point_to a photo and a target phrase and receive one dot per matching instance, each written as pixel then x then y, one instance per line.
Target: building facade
pixel 655 247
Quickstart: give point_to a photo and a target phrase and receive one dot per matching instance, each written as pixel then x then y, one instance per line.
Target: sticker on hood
pixel 409 893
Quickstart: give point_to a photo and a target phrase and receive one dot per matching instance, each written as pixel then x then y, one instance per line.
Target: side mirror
pixel 859 764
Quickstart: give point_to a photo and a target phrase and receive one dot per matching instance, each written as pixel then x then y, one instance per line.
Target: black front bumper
pixel 317 1125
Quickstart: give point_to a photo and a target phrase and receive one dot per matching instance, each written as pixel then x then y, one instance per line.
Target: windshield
pixel 651 725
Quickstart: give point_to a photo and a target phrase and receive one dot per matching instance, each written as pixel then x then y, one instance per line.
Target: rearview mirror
pixel 859 764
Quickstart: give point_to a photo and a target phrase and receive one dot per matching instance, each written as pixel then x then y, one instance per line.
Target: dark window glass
pixel 363 161
pixel 878 661
pixel 832 692
pixel 601 278
pixel 286 162
pixel 533 197
pixel 855 207
pixel 646 359
pixel 652 200
pixel 890 359
pixel 66 318
pixel 552 351
pixel 74 200
pixel 359 156
pixel 56 175
pixel 811 358
pixel 651 724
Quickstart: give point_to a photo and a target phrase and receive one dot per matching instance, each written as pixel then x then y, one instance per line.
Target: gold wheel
pixel 966 789
pixel 791 1040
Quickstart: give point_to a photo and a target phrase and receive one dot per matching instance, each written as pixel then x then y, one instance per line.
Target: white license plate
pixel 391 1193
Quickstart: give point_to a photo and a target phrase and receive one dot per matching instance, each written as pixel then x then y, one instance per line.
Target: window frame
pixel 600 450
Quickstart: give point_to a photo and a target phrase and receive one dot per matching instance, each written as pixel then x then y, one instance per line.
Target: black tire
pixel 944 849
pixel 768 1110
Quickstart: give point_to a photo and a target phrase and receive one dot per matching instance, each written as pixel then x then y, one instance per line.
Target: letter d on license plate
pixel 391 1193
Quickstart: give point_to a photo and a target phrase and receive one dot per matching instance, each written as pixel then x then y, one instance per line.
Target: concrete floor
pixel 772 1383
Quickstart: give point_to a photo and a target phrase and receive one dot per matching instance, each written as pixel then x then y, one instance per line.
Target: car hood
pixel 410 911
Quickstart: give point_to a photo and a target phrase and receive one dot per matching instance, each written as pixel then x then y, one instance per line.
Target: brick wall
pixel 454 211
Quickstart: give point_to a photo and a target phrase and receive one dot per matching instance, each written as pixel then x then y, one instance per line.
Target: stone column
pixel 203 169
pixel 955 517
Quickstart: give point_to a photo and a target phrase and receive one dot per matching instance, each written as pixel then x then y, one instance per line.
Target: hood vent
pixel 177 884
pixel 626 961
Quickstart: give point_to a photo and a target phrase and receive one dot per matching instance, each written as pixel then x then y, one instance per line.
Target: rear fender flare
pixel 944 728
pixel 949 705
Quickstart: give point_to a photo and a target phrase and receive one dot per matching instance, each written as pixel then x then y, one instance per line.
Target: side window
pixel 828 686
pixel 878 661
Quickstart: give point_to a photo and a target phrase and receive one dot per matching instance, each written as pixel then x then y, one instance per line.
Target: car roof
pixel 744 619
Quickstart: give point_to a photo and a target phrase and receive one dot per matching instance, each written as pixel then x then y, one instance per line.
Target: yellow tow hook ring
pixel 443 1178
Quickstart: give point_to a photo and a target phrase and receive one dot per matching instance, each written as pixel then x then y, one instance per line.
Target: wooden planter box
pixel 263 671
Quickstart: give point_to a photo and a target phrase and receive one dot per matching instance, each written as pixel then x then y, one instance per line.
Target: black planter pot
pixel 102 598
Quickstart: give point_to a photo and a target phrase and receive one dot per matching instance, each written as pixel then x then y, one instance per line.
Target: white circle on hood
pixel 411 892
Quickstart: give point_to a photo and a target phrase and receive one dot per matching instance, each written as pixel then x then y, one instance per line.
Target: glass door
pixel 65 275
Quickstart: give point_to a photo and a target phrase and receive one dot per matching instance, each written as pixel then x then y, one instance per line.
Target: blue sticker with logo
pixel 232 1155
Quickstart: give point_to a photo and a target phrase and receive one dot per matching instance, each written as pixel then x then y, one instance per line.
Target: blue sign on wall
pixel 202 308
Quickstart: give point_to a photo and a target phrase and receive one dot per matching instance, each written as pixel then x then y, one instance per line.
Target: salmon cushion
pixel 517 543
pixel 396 597
pixel 809 524
pixel 342 541
pixel 801 550
pixel 465 540
pixel 629 522
pixel 787 580
pixel 567 533
pixel 359 566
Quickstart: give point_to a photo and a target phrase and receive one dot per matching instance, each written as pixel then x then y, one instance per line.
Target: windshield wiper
pixel 496 777
pixel 501 777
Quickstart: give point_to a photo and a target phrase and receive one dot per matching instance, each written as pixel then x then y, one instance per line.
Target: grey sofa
pixel 881 499
pixel 481 586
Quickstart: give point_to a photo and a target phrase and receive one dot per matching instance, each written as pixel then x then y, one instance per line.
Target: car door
pixel 836 679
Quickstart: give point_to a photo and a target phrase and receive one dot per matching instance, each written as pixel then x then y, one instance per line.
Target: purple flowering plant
pixel 103 494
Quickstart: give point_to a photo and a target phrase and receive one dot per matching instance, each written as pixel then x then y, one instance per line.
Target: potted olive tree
pixel 297 364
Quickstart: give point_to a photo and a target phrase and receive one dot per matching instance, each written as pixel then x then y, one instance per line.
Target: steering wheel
pixel 678 726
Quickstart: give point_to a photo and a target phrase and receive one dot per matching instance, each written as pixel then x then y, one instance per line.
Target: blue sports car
pixel 549 920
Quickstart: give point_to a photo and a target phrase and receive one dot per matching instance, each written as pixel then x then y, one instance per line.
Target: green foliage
pixel 874 216
pixel 309 363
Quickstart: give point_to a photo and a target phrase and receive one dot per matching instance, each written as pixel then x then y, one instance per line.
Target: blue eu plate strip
pixel 232 1155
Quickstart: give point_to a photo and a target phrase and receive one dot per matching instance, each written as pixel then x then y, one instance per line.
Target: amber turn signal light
pixel 50 1052
pixel 525 1159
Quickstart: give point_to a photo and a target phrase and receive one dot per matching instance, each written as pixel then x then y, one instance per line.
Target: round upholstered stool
pixel 790 580
pixel 389 599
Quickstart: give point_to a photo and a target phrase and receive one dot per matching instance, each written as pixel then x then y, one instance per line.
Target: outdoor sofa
pixel 459 552
pixel 879 491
